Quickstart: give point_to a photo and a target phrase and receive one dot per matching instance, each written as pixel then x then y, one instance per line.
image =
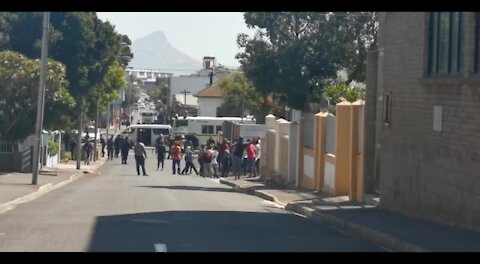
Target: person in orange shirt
pixel 176 157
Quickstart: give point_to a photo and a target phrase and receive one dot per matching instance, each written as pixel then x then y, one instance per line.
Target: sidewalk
pixel 391 230
pixel 16 188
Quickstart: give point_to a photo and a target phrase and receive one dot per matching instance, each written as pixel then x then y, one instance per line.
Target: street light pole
pixel 41 98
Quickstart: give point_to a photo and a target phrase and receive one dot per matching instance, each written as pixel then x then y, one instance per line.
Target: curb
pixel 374 236
pixel 359 231
pixel 41 190
pixel 252 191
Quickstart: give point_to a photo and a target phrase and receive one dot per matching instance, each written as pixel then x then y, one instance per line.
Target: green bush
pixel 52 148
pixel 68 155
pixel 342 92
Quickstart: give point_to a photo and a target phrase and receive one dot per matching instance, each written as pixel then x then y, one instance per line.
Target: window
pixel 180 122
pixel 162 131
pixel 477 42
pixel 207 130
pixel 445 43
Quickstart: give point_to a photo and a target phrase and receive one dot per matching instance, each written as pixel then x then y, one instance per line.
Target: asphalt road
pixel 118 211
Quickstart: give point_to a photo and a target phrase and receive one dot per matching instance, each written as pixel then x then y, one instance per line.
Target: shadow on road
pixel 191 188
pixel 217 231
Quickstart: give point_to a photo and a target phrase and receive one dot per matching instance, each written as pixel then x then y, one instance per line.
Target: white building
pixel 145 77
pixel 209 99
pixel 193 83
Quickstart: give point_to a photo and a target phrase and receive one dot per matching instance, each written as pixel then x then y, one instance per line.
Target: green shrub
pixel 68 155
pixel 52 148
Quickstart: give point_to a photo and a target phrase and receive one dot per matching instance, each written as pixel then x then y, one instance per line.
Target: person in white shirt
pixel 257 161
pixel 214 162
pixel 140 156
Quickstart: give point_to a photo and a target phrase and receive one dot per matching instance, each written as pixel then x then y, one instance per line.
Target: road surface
pixel 118 211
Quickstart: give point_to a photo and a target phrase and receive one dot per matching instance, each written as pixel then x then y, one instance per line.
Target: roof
pixel 214 90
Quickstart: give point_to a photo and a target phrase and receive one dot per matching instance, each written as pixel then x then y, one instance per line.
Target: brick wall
pixel 429 174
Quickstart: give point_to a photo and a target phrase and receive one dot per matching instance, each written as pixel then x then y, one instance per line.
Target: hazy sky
pixel 197 34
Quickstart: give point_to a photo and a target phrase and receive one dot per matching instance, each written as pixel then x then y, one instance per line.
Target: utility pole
pixel 41 97
pixel 79 139
pixel 185 101
pixel 96 130
pixel 108 118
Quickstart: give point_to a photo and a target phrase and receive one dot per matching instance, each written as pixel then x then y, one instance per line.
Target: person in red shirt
pixel 251 157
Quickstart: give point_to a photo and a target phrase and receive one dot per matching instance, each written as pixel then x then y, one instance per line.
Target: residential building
pixel 193 83
pixel 209 99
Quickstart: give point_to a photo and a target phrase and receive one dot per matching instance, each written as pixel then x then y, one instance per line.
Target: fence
pixel 15 157
pixel 9 146
pixel 308 136
pixel 328 155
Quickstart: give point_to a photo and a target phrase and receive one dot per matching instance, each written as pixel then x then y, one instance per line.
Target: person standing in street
pixel 251 157
pixel 176 157
pixel 125 147
pixel 237 157
pixel 226 158
pixel 200 159
pixel 257 160
pixel 215 162
pixel 102 142
pixel 117 145
pixel 88 150
pixel 140 156
pixel 207 162
pixel 161 149
pixel 110 148
pixel 189 162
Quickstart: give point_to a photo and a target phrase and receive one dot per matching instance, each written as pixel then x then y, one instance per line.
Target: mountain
pixel 155 52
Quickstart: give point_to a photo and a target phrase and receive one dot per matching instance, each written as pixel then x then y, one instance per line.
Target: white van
pixel 205 127
pixel 147 117
pixel 147 132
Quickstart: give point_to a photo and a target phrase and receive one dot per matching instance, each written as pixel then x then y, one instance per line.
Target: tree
pixel 159 92
pixel 240 95
pixel 295 54
pixel 19 78
pixel 97 46
pixel 108 89
pixel 86 45
pixel 22 32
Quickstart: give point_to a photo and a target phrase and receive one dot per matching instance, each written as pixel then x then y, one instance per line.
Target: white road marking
pixel 266 202
pixel 160 247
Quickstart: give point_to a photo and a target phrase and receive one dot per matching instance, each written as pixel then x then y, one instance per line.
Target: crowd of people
pixel 215 159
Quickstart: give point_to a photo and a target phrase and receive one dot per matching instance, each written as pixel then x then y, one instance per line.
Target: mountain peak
pixel 157 36
pixel 155 52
